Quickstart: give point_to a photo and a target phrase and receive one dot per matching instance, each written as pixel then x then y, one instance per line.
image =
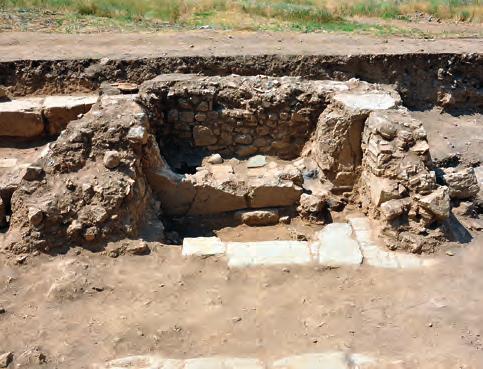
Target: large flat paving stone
pixel 21 118
pixel 243 254
pixel 336 247
pixel 223 363
pixel 202 246
pixel 366 101
pixel 330 360
pixel 376 256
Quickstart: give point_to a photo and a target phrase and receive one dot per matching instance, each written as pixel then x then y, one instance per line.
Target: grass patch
pixel 299 15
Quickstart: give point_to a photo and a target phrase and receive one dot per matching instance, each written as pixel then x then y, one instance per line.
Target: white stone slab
pixel 336 247
pixel 69 102
pixel 329 360
pixel 143 362
pixel 242 254
pixel 202 246
pixel 375 256
pixel 223 363
pixel 367 101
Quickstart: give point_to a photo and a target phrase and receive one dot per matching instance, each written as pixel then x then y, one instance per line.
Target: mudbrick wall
pixel 453 81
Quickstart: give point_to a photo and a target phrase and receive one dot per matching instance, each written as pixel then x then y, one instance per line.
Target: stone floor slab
pixel 242 254
pixel 202 246
pixel 376 256
pixel 330 360
pixel 336 247
pixel 223 363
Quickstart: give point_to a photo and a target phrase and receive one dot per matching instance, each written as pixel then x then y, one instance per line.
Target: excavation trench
pixel 187 155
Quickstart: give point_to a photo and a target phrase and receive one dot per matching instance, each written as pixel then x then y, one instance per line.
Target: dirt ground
pixel 47 46
pixel 83 308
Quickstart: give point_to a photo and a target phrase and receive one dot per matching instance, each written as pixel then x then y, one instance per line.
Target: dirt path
pixel 83 308
pixel 29 46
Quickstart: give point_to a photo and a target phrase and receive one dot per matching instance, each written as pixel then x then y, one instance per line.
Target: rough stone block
pixel 285 194
pixel 60 110
pixel 21 118
pixel 259 217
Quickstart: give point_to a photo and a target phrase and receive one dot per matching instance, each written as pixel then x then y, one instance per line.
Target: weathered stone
pixel 112 159
pixel 5 359
pixel 437 203
pixel 215 159
pixel 203 136
pixel 259 217
pixel 376 256
pixel 216 199
pixel 242 254
pixel 243 139
pixel 366 101
pixel 222 363
pixel 60 110
pixel 202 246
pixel 137 135
pixel 336 247
pixel 285 194
pixel 91 233
pixel 138 248
pixel 33 173
pixel 21 118
pixel 257 161
pixel 311 205
pixel 462 183
pixel 35 216
pixel 394 208
pixel 381 189
pixel 331 360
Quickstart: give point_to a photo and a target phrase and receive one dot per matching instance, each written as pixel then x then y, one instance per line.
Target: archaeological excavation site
pixel 242 211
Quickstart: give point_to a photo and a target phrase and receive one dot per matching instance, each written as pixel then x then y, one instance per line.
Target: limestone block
pixel 202 246
pixel 21 118
pixel 336 247
pixel 259 217
pixel 60 110
pixel 462 183
pixel 243 254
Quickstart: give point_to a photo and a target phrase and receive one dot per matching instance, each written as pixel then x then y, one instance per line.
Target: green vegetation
pixel 302 15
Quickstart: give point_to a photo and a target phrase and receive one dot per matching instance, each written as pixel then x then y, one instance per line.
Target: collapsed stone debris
pixel 250 148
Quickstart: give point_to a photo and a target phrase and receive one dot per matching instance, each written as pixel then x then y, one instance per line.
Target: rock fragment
pixel 5 359
pixel 259 217
pixel 462 183
pixel 112 159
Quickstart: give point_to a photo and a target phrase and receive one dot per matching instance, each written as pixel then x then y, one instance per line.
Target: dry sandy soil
pixel 25 45
pixel 83 308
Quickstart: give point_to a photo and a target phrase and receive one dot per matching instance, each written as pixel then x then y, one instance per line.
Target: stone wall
pixel 234 116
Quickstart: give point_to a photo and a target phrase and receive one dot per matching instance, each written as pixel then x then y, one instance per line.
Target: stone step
pixel 338 244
